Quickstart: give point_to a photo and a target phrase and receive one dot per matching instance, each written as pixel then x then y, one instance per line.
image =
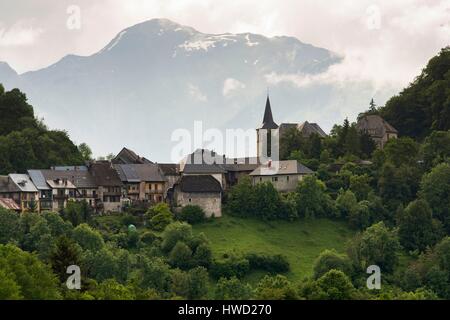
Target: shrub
pixel 161 221
pixel 330 259
pixel 232 289
pixel 192 214
pixel 148 237
pixel 231 265
pixel 272 263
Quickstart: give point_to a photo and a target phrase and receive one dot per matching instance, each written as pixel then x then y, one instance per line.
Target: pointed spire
pixel 268 122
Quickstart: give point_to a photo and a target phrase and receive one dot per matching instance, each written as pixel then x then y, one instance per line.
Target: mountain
pixel 157 76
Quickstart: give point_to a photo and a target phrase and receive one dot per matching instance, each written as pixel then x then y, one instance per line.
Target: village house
pixel 204 162
pixel 284 175
pixel 21 189
pixel 171 171
pixel 200 190
pixel 237 168
pixel 45 192
pixel 377 128
pixel 79 182
pixel 109 186
pixel 142 182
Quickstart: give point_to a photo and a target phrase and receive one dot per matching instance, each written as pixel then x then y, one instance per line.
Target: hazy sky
pixel 386 42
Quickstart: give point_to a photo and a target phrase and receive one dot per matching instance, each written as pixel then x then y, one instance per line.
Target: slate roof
pixel 23 182
pixel 139 172
pixel 281 168
pixel 201 184
pixel 38 179
pixel 268 122
pixel 375 125
pixel 70 168
pixel 202 161
pixel 105 174
pixel 306 128
pixel 127 156
pixel 79 178
pixel 169 169
pixel 195 163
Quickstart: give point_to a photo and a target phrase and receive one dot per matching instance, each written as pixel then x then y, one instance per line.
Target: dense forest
pixel 25 142
pixel 396 201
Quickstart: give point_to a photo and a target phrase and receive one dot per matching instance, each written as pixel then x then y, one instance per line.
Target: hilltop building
pixel 377 128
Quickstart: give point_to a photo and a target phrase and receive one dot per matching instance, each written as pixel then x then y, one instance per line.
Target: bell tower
pixel 265 132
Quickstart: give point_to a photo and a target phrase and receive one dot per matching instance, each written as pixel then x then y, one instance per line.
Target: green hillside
pixel 300 241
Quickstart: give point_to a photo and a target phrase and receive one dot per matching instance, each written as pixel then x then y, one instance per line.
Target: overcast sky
pixel 387 42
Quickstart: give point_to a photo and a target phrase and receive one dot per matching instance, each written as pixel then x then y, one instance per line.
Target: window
pixel 287 178
pixel 274 179
pixel 190 200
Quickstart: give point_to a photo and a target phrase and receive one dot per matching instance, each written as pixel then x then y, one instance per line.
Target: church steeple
pixel 265 133
pixel 268 122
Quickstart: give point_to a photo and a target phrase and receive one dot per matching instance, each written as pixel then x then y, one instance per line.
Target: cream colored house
pixel 284 175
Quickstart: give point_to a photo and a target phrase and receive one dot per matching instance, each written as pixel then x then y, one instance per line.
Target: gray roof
pixel 268 122
pixel 23 182
pixel 105 174
pixel 201 183
pixel 281 168
pixel 128 156
pixel 38 179
pixel 169 169
pixel 139 172
pixel 70 168
pixel 203 168
pixel 202 161
pixel 79 178
pixel 306 128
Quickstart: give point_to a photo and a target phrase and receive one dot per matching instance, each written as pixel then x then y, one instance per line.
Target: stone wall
pixel 211 203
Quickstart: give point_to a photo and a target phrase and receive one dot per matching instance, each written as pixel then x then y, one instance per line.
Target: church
pixel 283 174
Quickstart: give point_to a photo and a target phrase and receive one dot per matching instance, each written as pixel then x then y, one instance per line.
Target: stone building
pixel 284 175
pixel 204 162
pixel 109 186
pixel 377 128
pixel 201 190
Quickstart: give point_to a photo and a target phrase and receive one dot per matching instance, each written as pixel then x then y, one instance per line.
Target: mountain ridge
pixel 156 69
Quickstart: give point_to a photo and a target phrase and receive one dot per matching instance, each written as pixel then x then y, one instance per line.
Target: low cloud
pixel 20 34
pixel 231 85
pixel 195 93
